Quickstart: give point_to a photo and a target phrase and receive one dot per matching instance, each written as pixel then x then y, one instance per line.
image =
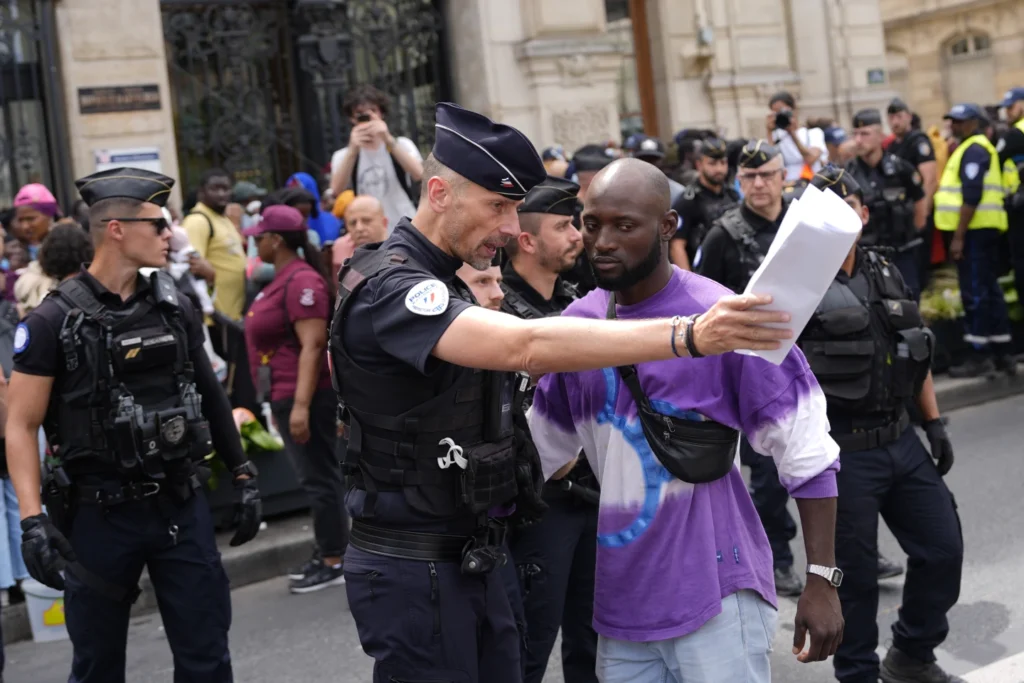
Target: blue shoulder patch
pixel 21 338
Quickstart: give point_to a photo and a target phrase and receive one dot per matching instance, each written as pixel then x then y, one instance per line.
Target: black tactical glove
pixel 46 551
pixel 942 447
pixel 248 510
pixel 530 507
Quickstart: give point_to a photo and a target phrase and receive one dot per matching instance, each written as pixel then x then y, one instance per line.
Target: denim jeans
pixel 733 647
pixel 12 566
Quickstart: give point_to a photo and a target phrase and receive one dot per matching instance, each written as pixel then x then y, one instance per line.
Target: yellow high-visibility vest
pixel 950 197
pixel 1011 176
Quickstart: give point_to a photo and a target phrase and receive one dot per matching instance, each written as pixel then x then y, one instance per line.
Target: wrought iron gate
pixel 31 111
pixel 258 85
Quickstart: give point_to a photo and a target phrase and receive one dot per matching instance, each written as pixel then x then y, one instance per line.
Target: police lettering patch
pixel 924 149
pixel 971 170
pixel 21 338
pixel 307 298
pixel 429 297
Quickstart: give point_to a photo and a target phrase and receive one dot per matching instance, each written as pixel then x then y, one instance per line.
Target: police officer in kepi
pixel 894 194
pixel 703 201
pixel 555 556
pixel 112 365
pixel 871 352
pixel 436 454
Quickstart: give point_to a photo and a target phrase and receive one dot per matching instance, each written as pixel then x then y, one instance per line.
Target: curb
pixel 270 556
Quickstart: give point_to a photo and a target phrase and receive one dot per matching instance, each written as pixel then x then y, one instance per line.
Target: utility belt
pixel 862 438
pixel 478 554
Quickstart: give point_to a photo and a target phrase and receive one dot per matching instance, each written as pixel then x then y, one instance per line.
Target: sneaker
pixel 898 667
pixel 888 569
pixel 787 583
pixel 310 566
pixel 323 577
pixel 974 367
pixel 1006 363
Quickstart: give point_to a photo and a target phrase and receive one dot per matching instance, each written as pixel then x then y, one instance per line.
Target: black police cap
pixel 896 106
pixel 492 155
pixel 125 183
pixel 839 181
pixel 713 148
pixel 553 195
pixel 867 117
pixel 757 153
pixel 592 157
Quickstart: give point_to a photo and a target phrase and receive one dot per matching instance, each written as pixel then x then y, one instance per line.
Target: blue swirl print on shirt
pixel 655 474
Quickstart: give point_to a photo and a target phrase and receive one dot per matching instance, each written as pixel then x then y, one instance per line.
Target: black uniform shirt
pixel 391 330
pixel 873 181
pixel 559 301
pixel 916 148
pixel 1011 147
pixel 698 207
pixel 720 255
pixel 38 352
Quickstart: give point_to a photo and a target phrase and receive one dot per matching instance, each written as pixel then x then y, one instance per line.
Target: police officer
pixel 703 201
pixel 112 365
pixel 730 253
pixel 433 457
pixel 1011 156
pixel 870 351
pixel 894 194
pixel 554 557
pixel 586 162
pixel 652 150
pixel 970 212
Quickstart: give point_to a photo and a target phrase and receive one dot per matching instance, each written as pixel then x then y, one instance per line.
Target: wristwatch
pixel 833 575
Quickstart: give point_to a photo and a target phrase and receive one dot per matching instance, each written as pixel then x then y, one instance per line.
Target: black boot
pixel 887 569
pixel 898 667
pixel 1006 362
pixel 975 366
pixel 787 583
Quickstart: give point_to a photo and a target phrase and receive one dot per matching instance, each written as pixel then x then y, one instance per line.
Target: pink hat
pixel 278 218
pixel 38 197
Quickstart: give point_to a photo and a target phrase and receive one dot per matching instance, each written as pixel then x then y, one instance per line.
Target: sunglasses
pixel 160 223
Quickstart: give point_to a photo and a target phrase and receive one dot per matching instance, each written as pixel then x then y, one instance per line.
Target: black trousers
pixel 1016 237
pixel 555 561
pixel 189 580
pixel 427 621
pixel 900 482
pixel 318 464
pixel 770 498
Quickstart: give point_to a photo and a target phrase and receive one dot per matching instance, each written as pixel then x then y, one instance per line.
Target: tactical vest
pixel 891 211
pixel 990 213
pixel 439 446
pixel 711 208
pixel 1011 174
pixel 129 392
pixel 751 255
pixel 866 343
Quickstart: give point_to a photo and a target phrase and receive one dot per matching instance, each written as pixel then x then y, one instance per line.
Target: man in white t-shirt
pixel 800 146
pixel 375 162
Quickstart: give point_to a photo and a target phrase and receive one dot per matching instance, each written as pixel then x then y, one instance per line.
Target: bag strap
pixel 628 372
pixel 209 239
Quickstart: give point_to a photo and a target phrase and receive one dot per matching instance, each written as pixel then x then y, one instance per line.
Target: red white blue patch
pixel 429 297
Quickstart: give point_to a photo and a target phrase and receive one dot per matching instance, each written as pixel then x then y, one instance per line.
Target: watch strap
pixel 827 573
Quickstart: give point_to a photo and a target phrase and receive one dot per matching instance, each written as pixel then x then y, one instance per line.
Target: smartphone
pixel 362 118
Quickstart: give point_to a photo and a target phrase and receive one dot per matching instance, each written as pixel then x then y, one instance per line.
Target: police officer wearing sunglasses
pixel 111 365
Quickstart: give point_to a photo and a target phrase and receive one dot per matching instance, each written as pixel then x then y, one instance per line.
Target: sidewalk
pixel 287 541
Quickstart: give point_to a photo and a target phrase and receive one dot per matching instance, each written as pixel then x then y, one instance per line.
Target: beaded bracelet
pixel 676 322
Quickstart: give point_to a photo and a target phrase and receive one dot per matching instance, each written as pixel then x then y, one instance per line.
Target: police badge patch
pixel 924 149
pixel 971 170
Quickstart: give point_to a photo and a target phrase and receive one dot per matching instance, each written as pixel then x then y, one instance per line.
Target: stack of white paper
pixel 813 241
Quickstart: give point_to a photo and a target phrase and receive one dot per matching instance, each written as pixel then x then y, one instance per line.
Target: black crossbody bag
pixel 694 452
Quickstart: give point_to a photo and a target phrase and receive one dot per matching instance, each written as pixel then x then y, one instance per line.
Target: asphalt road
pixel 280 637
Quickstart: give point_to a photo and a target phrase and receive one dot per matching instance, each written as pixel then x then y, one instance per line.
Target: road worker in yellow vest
pixel 970 213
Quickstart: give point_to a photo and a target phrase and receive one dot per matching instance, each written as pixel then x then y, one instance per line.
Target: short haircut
pixel 64 250
pixel 365 94
pixel 116 207
pixel 211 173
pixel 785 97
pixel 528 222
pixel 432 167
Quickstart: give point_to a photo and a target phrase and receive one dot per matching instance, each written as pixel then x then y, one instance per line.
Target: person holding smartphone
pixel 375 162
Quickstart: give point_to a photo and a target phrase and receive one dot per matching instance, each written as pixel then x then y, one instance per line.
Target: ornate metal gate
pixel 258 84
pixel 31 112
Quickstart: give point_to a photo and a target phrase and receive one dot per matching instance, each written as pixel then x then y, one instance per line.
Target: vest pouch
pixel 694 452
pixel 490 475
pixel 499 392
pixel 141 350
pixel 842 322
pixel 903 314
pixel 912 361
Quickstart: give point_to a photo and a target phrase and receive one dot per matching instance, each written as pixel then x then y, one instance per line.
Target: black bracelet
pixel 691 347
pixel 675 326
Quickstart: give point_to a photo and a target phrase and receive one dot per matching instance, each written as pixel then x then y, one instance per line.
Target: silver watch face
pixel 837 577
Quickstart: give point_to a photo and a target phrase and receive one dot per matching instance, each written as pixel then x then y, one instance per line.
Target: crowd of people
pixel 265 270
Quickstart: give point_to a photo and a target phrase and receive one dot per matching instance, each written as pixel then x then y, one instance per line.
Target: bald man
pixel 365 223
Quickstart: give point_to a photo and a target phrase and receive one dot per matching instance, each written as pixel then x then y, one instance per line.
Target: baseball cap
pixel 965 112
pixel 278 218
pixel 1012 96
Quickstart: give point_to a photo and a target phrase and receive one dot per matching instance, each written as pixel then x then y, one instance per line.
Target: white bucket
pixel 45 611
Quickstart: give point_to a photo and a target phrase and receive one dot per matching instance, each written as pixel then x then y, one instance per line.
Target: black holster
pixel 57 498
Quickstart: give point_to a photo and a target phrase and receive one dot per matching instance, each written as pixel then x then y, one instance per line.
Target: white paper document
pixel 814 239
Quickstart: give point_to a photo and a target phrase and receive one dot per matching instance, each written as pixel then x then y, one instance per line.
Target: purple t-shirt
pixel 668 551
